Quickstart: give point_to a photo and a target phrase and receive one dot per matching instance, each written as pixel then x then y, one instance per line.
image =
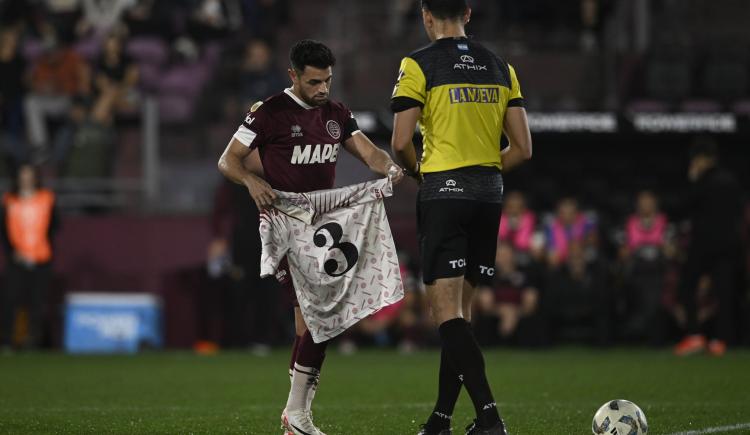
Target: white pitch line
pixel 718 429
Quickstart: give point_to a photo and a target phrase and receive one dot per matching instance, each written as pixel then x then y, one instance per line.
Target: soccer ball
pixel 620 417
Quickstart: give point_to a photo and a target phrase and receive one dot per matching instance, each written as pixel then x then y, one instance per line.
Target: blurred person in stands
pixel 213 19
pixel 29 221
pixel 12 89
pixel 266 17
pixel 647 246
pixel 578 297
pixel 569 225
pixel 258 74
pixel 398 322
pixel 508 312
pixel 517 225
pixel 714 205
pixel 234 253
pixel 99 17
pixel 149 18
pixel 115 79
pixel 58 77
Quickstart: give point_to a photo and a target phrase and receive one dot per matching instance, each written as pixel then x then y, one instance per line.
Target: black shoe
pixel 497 429
pixel 424 431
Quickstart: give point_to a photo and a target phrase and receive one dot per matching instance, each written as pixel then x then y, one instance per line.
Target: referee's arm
pixel 516 128
pixel 404 124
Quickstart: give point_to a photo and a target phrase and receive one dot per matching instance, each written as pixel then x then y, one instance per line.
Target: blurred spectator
pixel 100 16
pixel 213 19
pixel 149 18
pixel 259 76
pixel 517 225
pixel 569 226
pixel 252 302
pixel 579 299
pixel 646 248
pixel 88 132
pixel 401 323
pixel 115 80
pixel 12 89
pixel 58 76
pixel 715 211
pixel 266 17
pixel 29 222
pixel 509 312
pixel 60 16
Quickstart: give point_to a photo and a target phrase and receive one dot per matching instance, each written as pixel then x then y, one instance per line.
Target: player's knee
pixel 299 323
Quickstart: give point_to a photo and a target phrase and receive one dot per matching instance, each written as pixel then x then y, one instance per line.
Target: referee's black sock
pixel 466 358
pixel 449 387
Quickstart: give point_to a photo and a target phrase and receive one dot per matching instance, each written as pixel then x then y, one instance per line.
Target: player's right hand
pixel 261 192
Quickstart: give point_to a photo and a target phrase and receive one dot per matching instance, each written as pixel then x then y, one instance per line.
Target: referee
pixel 463 97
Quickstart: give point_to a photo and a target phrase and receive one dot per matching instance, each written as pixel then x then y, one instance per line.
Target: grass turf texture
pixel 547 392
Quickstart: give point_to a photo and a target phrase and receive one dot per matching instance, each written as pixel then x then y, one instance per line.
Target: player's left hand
pixel 395 173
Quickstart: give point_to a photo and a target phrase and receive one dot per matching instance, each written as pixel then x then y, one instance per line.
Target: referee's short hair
pixel 308 52
pixel 446 9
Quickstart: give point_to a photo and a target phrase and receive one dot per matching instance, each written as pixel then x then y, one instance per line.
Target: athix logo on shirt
pixel 474 95
pixel 467 59
pixel 296 131
pixel 249 119
pixel 450 186
pixel 466 66
pixel 310 154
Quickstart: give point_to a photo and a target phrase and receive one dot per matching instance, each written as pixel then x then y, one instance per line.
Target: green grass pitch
pixel 552 392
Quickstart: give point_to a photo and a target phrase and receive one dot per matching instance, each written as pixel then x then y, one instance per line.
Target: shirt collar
pixel 296 99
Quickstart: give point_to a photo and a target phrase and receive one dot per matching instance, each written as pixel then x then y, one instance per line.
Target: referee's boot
pixel 423 430
pixel 299 422
pixel 497 429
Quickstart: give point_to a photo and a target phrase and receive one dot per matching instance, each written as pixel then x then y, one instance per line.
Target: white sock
pixel 304 381
pixel 311 393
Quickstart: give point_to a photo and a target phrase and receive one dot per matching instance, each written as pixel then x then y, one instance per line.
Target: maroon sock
pixel 295 348
pixel 310 353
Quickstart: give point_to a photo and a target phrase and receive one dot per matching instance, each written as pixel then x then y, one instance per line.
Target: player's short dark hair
pixel 311 53
pixel 446 9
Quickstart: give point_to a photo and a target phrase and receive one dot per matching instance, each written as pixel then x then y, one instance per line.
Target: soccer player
pixel 464 97
pixel 298 134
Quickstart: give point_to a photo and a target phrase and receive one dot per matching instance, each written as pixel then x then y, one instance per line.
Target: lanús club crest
pixel 333 129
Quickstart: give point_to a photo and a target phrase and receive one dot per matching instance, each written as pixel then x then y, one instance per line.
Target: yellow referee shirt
pixel 464 91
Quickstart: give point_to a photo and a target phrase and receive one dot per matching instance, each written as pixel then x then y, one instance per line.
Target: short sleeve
pixel 516 98
pixel 250 132
pixel 351 127
pixel 411 87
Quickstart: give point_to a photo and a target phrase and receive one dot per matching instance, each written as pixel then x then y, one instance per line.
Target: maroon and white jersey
pixel 298 143
pixel 341 254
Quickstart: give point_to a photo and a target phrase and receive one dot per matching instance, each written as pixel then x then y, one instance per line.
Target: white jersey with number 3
pixel 340 250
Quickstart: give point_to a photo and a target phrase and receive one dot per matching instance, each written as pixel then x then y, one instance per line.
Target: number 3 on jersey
pixel 334 230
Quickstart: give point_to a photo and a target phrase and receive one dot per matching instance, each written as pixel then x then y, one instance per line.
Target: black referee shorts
pixel 458 236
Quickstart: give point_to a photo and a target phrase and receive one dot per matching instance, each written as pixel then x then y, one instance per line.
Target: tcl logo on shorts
pixel 484 270
pixel 461 262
